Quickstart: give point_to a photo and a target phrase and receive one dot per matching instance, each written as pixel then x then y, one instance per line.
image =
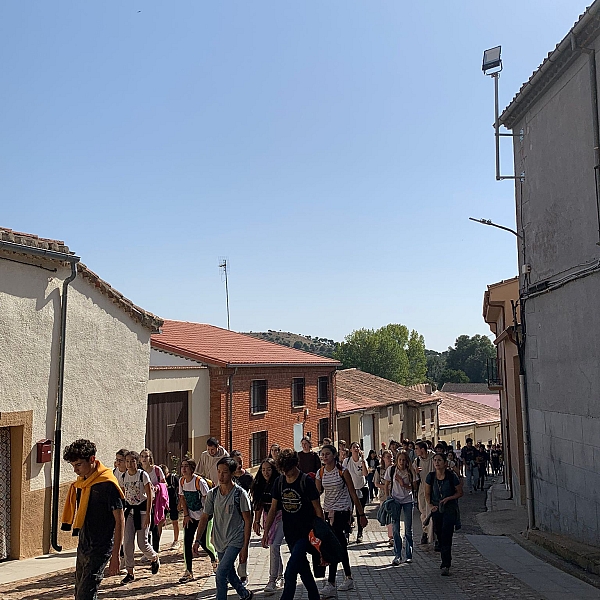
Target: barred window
pixel 258 448
pixel 297 391
pixel 323 430
pixel 258 396
pixel 323 390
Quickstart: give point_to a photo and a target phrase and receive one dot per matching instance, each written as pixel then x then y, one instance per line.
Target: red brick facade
pixel 279 418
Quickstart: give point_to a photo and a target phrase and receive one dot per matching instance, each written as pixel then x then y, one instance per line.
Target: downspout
pixel 59 407
pixel 525 413
pixel 595 127
pixel 230 409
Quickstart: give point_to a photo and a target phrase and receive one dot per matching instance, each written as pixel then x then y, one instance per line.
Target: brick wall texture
pixel 279 419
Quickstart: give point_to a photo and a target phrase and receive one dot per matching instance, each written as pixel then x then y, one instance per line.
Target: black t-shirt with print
pixel 295 500
pixel 97 534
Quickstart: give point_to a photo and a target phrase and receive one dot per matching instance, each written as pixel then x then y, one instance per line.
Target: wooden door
pixel 167 426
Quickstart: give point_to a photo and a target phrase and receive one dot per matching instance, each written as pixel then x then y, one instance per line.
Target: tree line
pixel 395 353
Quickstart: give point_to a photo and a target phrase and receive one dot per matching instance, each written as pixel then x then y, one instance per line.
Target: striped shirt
pixel 336 495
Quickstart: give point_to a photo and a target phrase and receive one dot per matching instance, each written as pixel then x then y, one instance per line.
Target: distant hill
pixel 316 345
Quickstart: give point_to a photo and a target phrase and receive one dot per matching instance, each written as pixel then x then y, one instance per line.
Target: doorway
pixel 5 476
pixel 167 426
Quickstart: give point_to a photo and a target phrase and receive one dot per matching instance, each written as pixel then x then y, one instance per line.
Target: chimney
pixel 428 389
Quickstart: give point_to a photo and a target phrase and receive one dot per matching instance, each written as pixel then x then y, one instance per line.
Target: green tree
pixel 417 361
pixel 470 355
pixel 452 376
pixel 436 363
pixel 389 352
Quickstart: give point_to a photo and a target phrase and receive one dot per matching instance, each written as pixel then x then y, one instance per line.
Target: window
pixel 390 410
pixel 422 418
pixel 258 396
pixel 258 448
pixel 323 390
pixel 297 391
pixel 432 416
pixel 323 429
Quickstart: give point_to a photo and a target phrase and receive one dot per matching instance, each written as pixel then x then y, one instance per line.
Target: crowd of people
pixel 289 498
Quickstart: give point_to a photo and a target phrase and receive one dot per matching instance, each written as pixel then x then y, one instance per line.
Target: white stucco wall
pixel 195 381
pixel 106 363
pixel 158 358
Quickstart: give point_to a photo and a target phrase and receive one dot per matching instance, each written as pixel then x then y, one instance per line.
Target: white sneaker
pixel 270 588
pixel 347 584
pixel 328 591
pixel 175 545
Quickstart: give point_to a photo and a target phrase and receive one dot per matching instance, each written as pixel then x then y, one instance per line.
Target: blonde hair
pixel 150 455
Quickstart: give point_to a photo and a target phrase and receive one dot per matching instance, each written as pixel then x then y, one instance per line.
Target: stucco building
pixel 554 117
pixel 100 364
pixel 246 392
pixel 372 410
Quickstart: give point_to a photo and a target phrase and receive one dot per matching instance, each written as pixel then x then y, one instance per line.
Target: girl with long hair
pixel 339 496
pixel 160 495
pixel 379 481
pixel 400 479
pixel 260 492
pixel 442 491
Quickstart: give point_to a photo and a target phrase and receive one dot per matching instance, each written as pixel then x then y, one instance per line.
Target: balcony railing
pixel 494 374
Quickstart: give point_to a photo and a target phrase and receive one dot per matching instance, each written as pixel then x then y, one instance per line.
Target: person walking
pixel 207 465
pixel 94 511
pixel 160 496
pixel 468 454
pixel 401 479
pixel 308 460
pixel 357 467
pixel 372 464
pixel 338 496
pixel 229 506
pixel 423 465
pixel 442 491
pixel 173 491
pixel 138 504
pixel 192 493
pixel 296 495
pixel 261 493
pixel 380 483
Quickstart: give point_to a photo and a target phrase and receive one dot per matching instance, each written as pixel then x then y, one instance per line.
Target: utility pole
pixel 223 265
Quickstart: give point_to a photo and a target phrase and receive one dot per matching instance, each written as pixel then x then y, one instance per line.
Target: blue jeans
pixel 298 565
pixel 407 509
pixel 226 573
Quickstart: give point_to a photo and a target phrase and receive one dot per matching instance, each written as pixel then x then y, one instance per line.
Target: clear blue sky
pixel 332 151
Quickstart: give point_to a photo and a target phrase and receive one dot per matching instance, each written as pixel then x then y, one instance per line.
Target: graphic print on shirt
pixel 134 486
pixel 291 500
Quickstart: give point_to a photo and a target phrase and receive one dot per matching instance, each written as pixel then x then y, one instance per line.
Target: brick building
pixel 249 393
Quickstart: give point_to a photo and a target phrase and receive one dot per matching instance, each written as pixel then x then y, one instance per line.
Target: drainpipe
pixel 59 407
pixel 595 127
pixel 525 414
pixel 230 409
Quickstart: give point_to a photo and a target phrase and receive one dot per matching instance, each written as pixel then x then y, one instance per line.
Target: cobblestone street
pixel 472 575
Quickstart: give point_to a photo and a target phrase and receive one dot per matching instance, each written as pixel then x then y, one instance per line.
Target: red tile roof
pixel 221 347
pixel 29 240
pixel 454 411
pixel 357 390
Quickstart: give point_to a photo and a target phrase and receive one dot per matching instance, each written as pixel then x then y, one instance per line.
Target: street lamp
pixel 492 60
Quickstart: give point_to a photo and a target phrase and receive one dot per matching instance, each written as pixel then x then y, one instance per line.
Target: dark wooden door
pixel 167 426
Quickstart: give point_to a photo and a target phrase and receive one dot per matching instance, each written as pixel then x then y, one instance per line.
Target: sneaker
pixel 445 571
pixel 175 545
pixel 127 579
pixel 397 561
pixel 424 539
pixel 409 560
pixel 346 585
pixel 359 539
pixel 187 577
pixel 270 588
pixel 328 591
pixel 155 566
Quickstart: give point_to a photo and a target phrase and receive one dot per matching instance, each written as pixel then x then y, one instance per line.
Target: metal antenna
pixel 223 265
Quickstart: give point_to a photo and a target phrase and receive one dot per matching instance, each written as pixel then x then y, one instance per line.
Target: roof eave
pixel 557 61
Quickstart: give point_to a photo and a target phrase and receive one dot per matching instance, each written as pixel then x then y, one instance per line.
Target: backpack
pixel 236 496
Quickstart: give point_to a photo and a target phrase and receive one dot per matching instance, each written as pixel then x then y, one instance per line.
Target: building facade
pixel 556 147
pixel 106 357
pixel 246 392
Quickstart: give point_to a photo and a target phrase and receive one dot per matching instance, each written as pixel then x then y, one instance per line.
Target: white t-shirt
pixel 156 475
pixel 356 472
pixel 191 486
pixel 399 493
pixel 134 486
pixel 335 491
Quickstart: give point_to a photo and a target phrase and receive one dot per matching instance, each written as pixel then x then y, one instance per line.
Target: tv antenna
pixel 223 265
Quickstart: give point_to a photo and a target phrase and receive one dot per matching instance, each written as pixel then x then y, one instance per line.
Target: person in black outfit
pixel 308 460
pixel 173 490
pixel 442 491
pixel 94 509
